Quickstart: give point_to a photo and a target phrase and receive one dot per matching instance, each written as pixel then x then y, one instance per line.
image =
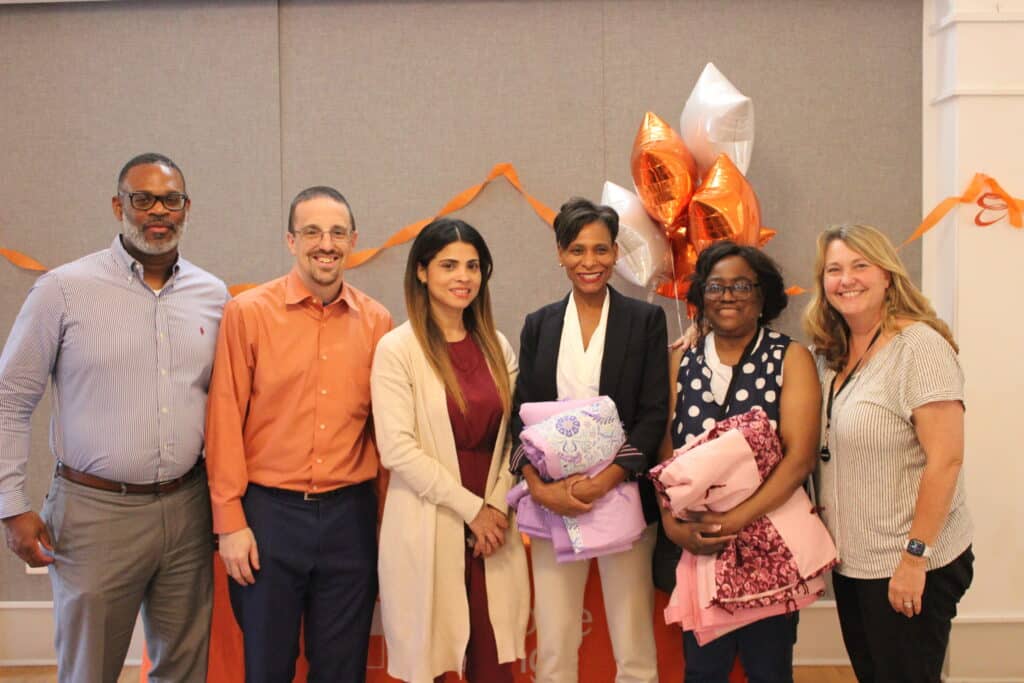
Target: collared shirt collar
pixel 296 292
pixel 129 262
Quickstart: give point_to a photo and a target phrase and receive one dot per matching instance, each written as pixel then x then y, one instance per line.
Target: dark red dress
pixel 475 434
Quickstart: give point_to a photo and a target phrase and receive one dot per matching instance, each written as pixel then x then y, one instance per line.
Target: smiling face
pixel 853 285
pixel 319 256
pixel 731 315
pixel 453 278
pixel 589 259
pixel 156 230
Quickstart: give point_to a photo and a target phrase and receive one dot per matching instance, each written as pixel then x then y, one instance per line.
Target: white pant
pixel 629 606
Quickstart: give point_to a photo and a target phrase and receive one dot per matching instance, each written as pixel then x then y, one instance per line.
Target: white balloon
pixel 717 118
pixel 644 254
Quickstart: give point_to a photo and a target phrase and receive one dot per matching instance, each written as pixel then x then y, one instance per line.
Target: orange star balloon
pixel 663 171
pixel 725 207
pixel 684 258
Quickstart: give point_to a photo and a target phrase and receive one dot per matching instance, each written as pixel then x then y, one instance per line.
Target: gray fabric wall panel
pixel 86 87
pixel 403 104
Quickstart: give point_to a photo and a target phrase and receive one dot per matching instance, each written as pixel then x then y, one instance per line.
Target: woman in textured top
pixel 889 477
pixel 453 579
pixel 595 342
pixel 740 364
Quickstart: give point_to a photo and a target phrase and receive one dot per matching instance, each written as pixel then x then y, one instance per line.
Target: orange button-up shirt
pixel 289 402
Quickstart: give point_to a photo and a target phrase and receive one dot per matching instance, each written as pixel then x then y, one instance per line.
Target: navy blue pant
pixel 765 649
pixel 886 646
pixel 318 568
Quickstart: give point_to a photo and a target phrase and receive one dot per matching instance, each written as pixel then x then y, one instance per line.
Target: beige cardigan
pixel 424 609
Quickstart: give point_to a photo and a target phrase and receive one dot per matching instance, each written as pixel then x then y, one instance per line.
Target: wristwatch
pixel 918 548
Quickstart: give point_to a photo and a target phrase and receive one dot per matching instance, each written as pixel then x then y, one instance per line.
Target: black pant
pixel 318 568
pixel 886 646
pixel 765 649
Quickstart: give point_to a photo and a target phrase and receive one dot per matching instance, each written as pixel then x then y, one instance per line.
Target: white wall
pixel 973 108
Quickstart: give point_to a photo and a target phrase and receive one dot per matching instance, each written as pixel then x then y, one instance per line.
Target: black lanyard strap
pixel 832 393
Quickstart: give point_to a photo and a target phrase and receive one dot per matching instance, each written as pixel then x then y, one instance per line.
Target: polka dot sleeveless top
pixel 758 384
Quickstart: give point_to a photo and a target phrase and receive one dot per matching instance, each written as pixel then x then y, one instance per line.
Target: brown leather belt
pixel 158 488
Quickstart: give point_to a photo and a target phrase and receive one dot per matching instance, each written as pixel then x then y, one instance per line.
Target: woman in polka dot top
pixel 739 365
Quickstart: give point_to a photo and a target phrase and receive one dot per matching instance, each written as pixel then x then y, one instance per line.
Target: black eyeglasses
pixel 741 289
pixel 143 201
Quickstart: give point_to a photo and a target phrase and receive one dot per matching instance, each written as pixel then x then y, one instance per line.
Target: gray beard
pixel 137 237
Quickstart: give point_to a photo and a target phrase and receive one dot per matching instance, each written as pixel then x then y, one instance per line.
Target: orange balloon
pixel 664 172
pixel 725 207
pixel 684 258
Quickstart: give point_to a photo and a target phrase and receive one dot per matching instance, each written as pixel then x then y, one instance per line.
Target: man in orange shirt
pixel 290 456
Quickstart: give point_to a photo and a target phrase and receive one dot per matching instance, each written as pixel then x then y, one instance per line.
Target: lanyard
pixel 832 393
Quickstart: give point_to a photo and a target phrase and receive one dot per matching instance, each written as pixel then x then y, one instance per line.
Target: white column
pixel 973 109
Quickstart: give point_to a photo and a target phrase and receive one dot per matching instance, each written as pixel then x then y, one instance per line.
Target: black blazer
pixel 634 374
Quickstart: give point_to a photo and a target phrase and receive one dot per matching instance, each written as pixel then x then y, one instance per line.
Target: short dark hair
pixel 578 213
pixel 313 193
pixel 769 278
pixel 143 160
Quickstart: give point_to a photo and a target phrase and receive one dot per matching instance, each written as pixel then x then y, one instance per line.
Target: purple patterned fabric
pixel 562 438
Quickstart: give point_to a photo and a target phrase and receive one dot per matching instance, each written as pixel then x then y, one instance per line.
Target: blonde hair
pixel 827 329
pixel 477 317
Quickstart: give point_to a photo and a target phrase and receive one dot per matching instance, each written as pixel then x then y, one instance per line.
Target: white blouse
pixel 578 373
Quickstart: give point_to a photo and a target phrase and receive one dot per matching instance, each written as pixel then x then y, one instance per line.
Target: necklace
pixel 826 455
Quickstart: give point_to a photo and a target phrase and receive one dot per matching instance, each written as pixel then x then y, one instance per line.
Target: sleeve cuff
pixel 13 503
pixel 229 517
pixel 631 460
pixel 517 460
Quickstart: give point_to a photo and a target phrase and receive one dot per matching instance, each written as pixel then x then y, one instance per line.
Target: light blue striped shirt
pixel 130 370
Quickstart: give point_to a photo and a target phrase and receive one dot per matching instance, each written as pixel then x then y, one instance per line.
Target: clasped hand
pixel 568 497
pixel 488 529
pixel 705 533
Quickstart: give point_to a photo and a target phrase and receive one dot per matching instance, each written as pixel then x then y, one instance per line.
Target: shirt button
pixel 319 460
pixel 323 392
pixel 321 426
pixel 163 410
pixel 163 371
pixel 314 487
pixel 323 357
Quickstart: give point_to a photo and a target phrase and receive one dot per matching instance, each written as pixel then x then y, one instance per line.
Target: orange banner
pixel 994 204
pixel 596 661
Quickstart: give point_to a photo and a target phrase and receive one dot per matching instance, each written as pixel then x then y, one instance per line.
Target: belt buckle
pixel 306 495
pixel 124 489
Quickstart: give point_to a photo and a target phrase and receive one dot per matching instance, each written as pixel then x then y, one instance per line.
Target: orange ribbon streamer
pixel 995 200
pixel 457 202
pixel 22 260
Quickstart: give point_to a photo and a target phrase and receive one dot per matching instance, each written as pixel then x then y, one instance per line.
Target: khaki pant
pixel 116 553
pixel 629 606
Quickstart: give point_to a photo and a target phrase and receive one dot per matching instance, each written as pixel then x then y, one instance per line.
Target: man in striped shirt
pixel 127 336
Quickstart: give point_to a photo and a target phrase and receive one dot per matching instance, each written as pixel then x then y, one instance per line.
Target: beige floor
pixel 802 674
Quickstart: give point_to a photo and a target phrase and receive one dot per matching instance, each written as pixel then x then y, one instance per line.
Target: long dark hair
pixel 477 317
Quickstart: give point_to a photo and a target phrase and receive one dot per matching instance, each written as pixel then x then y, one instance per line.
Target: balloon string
pixel 675 298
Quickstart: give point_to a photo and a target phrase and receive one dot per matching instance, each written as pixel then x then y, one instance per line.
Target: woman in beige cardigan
pixel 453 578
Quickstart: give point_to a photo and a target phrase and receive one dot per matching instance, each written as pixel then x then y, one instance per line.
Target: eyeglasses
pixel 741 289
pixel 314 235
pixel 143 201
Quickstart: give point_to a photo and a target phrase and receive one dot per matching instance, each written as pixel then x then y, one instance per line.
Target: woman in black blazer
pixel 595 342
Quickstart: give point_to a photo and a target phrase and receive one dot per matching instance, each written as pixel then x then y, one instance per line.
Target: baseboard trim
pixel 27 635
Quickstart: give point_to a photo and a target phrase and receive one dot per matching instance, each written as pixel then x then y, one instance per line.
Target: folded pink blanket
pixel 771 563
